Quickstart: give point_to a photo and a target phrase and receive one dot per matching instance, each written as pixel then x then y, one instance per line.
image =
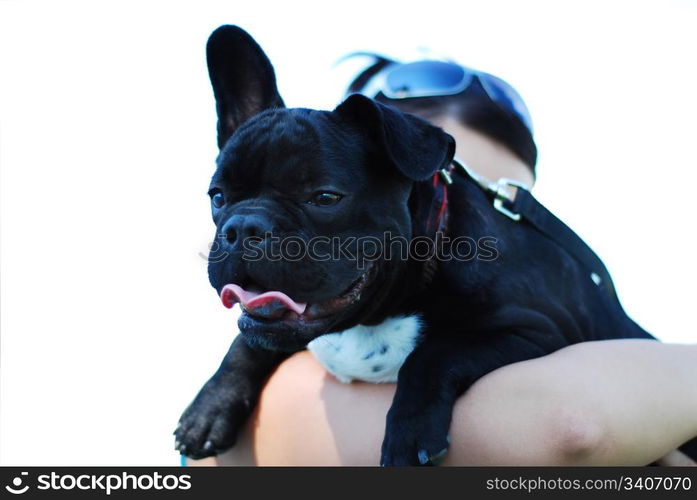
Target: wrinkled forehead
pixel 293 147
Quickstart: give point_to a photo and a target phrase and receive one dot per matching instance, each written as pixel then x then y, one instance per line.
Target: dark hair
pixel 472 107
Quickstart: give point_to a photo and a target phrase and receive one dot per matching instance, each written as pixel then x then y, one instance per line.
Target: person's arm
pixel 617 402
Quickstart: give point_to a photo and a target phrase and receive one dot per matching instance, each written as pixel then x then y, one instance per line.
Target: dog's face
pixel 303 199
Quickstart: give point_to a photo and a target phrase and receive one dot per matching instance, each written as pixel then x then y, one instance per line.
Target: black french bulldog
pixel 362 171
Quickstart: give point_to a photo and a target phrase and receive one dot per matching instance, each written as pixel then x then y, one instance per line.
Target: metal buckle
pixel 503 195
pixel 499 189
pixel 445 175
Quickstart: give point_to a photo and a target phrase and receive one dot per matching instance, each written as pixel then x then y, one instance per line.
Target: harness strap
pixel 524 208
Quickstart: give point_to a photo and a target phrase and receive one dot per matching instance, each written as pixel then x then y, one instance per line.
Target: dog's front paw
pixel 415 440
pixel 211 423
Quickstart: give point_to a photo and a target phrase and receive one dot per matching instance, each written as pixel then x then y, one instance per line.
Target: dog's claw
pixel 211 422
pixel 435 459
pixel 413 440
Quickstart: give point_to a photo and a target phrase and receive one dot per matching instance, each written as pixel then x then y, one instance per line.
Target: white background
pixel 107 142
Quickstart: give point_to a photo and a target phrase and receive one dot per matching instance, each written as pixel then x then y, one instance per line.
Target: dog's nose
pixel 241 227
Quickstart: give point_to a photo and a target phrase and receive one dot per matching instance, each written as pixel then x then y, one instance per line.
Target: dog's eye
pixel 325 199
pixel 218 199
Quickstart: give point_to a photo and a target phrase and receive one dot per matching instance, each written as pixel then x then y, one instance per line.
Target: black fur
pixel 479 315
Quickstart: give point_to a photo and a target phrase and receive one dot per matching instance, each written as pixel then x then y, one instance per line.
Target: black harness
pixel 521 207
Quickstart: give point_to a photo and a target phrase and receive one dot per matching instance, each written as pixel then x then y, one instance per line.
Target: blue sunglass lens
pixel 437 78
pixel 506 97
pixel 424 78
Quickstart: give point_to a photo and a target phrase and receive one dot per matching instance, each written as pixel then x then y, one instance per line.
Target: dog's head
pixel 302 200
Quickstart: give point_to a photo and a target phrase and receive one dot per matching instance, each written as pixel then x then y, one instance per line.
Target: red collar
pixel 439 206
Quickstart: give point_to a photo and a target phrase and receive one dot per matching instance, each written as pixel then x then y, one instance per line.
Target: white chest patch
pixel 368 353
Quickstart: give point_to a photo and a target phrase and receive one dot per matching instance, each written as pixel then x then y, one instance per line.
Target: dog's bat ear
pixel 243 79
pixel 413 146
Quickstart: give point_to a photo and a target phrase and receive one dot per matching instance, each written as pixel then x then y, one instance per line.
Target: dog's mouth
pixel 273 306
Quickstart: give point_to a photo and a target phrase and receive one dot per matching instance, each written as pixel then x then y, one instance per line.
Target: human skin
pixel 615 402
pixel 487 157
pixel 618 402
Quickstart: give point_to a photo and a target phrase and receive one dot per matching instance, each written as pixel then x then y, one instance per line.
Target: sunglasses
pixel 438 78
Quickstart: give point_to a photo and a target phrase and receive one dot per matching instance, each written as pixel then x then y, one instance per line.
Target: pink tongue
pixel 265 304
